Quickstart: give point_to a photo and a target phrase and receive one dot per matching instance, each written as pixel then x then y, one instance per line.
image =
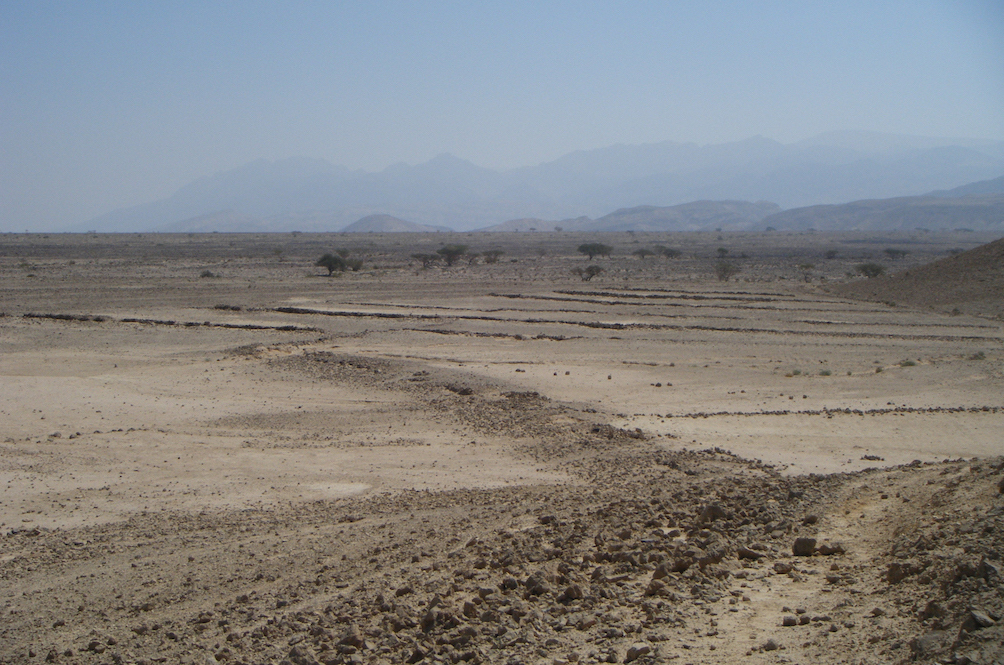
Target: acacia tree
pixel 668 252
pixel 870 270
pixel 725 270
pixel 492 255
pixel 642 253
pixel 591 249
pixel 332 262
pixel 451 253
pixel 427 259
pixel 588 273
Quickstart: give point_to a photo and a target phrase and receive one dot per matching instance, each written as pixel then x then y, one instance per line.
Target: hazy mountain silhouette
pixel 981 188
pixel 314 195
pixel 977 213
pixel 388 224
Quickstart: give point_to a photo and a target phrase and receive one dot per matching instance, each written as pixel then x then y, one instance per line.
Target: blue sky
pixel 108 104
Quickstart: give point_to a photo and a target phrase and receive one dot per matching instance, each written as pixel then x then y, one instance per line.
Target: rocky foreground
pixel 646 555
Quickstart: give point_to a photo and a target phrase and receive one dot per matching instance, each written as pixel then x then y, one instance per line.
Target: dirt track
pixel 490 463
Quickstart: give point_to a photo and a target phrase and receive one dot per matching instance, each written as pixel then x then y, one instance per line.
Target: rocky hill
pixel 388 224
pixel 978 213
pixel 695 216
pixel 971 282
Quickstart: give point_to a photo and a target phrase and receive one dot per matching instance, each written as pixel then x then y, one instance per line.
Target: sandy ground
pixel 200 446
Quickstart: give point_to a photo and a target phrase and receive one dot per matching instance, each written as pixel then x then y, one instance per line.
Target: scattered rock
pixel 711 512
pixel 636 651
pixel 300 656
pixel 803 546
pixel 900 570
pixel 977 620
pixel 829 549
pixel 930 644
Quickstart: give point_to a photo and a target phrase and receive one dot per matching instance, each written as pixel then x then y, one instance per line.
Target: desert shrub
pixel 451 253
pixel 428 260
pixel 332 262
pixel 825 372
pixel 207 274
pixel 668 252
pixel 492 255
pixel 725 270
pixel 588 272
pixel 643 252
pixel 472 258
pixel 979 355
pixel 806 269
pixel 871 270
pixel 591 249
pixel 831 254
pixel 354 264
pixel 895 253
pixel 722 252
pixel 907 363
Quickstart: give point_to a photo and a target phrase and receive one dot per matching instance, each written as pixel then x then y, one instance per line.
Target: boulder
pixel 803 546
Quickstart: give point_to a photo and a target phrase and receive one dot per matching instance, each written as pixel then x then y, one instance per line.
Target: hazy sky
pixel 104 105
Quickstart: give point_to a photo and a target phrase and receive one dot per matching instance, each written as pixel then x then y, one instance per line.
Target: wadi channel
pixel 211 451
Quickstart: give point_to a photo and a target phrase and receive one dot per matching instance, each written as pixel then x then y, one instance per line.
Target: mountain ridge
pixel 450 191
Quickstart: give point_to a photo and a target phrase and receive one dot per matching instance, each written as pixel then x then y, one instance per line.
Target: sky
pixel 111 104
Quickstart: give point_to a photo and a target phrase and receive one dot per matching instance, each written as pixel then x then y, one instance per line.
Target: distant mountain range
pixel 907 213
pixel 389 224
pixel 313 195
pixel 694 216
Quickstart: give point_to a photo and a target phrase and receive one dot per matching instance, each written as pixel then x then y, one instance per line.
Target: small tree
pixel 343 252
pixel 591 249
pixel 870 270
pixel 642 253
pixel 668 252
pixel 722 252
pixel 492 255
pixel 451 253
pixel 332 262
pixel 896 253
pixel 725 270
pixel 588 272
pixel 427 259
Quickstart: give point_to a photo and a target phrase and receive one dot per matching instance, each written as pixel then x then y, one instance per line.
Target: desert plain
pixel 213 451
